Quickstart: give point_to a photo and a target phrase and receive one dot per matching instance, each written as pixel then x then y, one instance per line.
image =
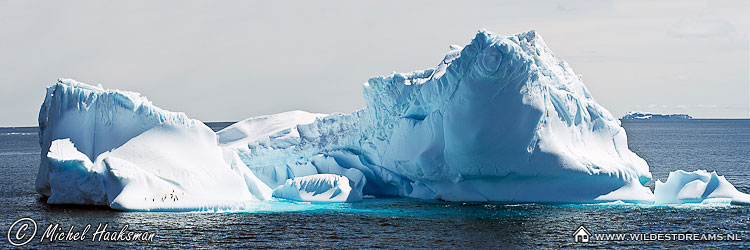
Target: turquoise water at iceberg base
pixel 720 145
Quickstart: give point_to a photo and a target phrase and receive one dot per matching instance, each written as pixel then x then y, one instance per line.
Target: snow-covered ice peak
pixel 499 119
pixel 504 109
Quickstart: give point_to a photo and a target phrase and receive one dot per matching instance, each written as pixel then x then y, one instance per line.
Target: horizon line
pixel 618 118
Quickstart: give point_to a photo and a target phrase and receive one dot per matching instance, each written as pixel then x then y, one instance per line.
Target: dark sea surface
pixel 720 145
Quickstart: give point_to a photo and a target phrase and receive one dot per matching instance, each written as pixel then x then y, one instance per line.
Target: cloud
pixel 561 7
pixel 663 107
pixel 584 6
pixel 700 28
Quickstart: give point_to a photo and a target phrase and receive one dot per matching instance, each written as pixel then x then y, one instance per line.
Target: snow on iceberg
pixel 114 148
pixel 698 186
pixel 281 126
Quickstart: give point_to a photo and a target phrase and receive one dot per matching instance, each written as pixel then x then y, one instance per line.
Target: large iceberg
pixel 501 119
pixel 114 148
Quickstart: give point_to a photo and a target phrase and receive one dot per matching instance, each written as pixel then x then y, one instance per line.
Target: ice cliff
pixel 114 148
pixel 501 119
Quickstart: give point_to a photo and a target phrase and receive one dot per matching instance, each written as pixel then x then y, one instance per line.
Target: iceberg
pixel 501 119
pixel 649 116
pixel 698 186
pixel 114 148
pixel 318 187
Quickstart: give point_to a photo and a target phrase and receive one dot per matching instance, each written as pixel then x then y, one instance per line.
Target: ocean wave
pixel 17 153
pixel 18 133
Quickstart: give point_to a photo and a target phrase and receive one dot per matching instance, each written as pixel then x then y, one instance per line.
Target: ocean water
pixel 720 145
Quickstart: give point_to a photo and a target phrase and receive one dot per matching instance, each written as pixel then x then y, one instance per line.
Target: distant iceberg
pixel 501 119
pixel 649 116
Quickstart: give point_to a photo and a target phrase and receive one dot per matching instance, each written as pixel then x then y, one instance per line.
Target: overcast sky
pixel 229 60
